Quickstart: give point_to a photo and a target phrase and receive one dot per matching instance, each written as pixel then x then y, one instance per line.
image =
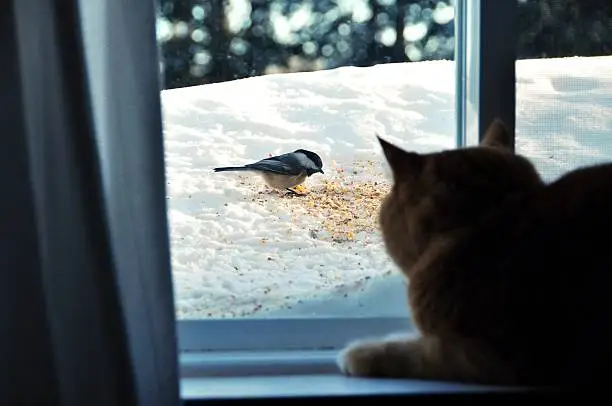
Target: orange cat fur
pixel 508 276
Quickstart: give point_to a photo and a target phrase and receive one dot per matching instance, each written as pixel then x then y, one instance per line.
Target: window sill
pixel 257 375
pixel 317 385
pixel 215 364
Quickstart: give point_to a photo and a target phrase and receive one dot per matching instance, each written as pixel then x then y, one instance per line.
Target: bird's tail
pixel 231 168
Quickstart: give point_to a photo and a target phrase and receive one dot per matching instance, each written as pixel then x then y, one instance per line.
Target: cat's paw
pixel 361 358
pixel 370 357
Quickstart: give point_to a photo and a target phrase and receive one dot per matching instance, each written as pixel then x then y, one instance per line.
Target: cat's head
pixel 437 193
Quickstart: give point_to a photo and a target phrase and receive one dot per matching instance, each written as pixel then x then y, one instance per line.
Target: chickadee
pixel 284 171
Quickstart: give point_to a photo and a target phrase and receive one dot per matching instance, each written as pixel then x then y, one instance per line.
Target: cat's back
pixel 566 281
pixel 544 261
pixel 555 221
pixel 585 194
pixel 565 223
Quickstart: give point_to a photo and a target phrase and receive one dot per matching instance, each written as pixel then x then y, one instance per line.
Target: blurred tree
pixel 206 41
pixel 559 28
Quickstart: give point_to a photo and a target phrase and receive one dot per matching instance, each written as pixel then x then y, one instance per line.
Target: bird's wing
pixel 286 164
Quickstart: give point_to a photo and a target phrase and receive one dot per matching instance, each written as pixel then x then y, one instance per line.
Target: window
pixel 258 269
pixel 88 313
pixel 84 209
pixel 253 270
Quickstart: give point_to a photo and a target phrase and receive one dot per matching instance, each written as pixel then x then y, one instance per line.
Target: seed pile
pixel 337 208
pixel 344 204
pixel 344 208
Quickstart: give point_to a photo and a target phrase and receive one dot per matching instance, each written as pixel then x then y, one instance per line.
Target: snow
pixel 240 250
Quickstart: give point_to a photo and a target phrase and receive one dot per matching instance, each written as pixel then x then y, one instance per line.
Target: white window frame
pixel 486 38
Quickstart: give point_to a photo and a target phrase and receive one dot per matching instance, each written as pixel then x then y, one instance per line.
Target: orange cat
pixel 508 276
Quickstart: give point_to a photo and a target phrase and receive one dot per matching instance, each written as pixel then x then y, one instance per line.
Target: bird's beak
pixel 321 170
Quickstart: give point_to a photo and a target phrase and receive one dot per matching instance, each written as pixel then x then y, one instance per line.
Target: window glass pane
pixel 564 84
pixel 245 80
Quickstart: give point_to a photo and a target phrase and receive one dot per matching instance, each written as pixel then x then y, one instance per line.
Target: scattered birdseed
pixel 340 207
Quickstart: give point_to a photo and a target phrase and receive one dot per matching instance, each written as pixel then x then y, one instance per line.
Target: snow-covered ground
pixel 239 250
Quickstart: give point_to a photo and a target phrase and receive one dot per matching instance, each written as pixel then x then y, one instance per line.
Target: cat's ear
pixel 497 136
pixel 402 163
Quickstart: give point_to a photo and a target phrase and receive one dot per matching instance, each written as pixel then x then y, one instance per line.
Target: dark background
pixel 201 41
